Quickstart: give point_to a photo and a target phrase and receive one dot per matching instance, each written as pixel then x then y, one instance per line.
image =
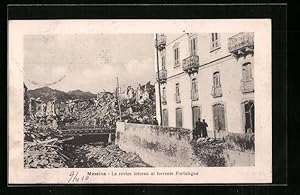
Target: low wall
pixel 172 147
pixel 157 146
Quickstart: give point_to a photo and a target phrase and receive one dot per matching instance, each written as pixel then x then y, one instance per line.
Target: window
pixel 219 117
pixel 165 121
pixel 178 117
pixel 214 41
pixel 177 93
pixel 163 62
pixel 247 72
pixel 164 96
pixel 193 46
pixel 216 80
pixel 194 89
pixel 176 56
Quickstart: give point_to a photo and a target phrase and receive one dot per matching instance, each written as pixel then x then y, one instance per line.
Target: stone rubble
pixel 46 147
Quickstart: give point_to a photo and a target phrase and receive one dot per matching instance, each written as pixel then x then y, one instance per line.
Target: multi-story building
pixel 207 76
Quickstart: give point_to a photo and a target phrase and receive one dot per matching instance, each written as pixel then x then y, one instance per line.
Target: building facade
pixel 207 76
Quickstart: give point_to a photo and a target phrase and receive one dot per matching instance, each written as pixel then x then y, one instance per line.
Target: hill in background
pixel 47 94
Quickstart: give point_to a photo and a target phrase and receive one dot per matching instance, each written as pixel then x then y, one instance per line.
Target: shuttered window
pixel 194 89
pixel 247 72
pixel 193 46
pixel 163 62
pixel 177 94
pixel 178 117
pixel 219 117
pixel 164 96
pixel 216 80
pixel 165 118
pixel 214 41
pixel 176 56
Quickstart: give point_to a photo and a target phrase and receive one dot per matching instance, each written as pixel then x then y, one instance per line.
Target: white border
pixel 261 173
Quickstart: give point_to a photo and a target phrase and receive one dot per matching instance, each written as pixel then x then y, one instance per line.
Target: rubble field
pixel 64 153
pixel 46 147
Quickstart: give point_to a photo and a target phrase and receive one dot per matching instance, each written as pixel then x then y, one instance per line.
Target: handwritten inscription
pixel 74 177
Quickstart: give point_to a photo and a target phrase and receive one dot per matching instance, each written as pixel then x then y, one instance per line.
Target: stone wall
pixel 157 146
pixel 172 147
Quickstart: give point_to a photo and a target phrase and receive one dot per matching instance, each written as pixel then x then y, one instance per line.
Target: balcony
pixel 161 41
pixel 195 96
pixel 161 76
pixel 247 86
pixel 216 91
pixel 191 64
pixel 241 44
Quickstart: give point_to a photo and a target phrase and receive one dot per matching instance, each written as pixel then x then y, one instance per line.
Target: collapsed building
pixel 137 106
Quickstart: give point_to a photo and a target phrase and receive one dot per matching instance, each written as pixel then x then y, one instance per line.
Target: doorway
pixel 196 115
pixel 249 123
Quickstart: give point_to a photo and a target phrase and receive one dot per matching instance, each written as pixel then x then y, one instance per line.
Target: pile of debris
pixel 43 156
pixel 42 146
pixel 45 147
pixel 101 155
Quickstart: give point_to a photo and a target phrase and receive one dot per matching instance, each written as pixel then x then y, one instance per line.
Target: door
pixel 165 118
pixel 249 116
pixel 196 115
pixel 179 117
pixel 219 117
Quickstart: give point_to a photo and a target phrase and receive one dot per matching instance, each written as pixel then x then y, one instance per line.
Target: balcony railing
pixel 190 64
pixel 241 43
pixel 177 97
pixel 161 76
pixel 195 96
pixel 247 86
pixel 161 41
pixel 216 91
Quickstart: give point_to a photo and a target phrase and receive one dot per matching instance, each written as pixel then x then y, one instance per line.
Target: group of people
pixel 200 130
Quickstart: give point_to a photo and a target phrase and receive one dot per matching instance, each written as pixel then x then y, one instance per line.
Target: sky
pixel 89 62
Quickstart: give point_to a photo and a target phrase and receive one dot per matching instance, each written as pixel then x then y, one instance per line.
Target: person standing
pixel 198 128
pixel 204 128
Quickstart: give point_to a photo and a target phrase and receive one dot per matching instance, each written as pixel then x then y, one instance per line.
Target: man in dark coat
pixel 197 130
pixel 204 128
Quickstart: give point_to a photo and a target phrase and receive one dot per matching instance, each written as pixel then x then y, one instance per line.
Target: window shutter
pixel 243 117
pixel 178 117
pixel 177 49
pixel 215 117
pixel 165 117
pixel 222 117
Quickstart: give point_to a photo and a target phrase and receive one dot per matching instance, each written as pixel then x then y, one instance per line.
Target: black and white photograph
pixel 112 99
